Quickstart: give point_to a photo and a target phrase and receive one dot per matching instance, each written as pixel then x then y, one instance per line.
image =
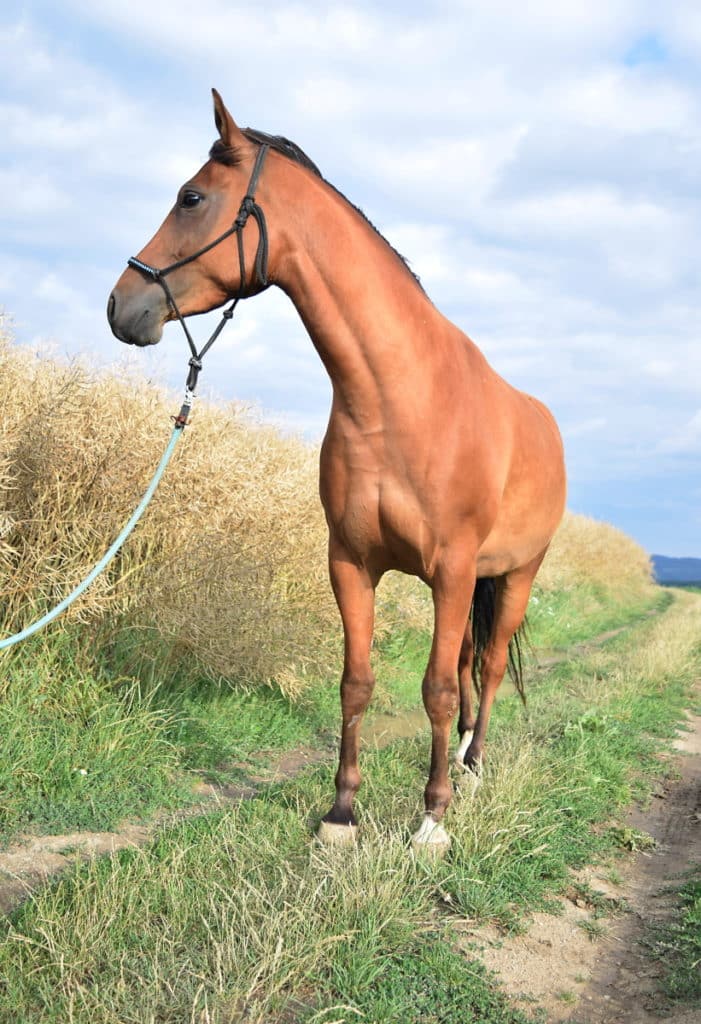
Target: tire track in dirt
pixel 559 968
pixel 625 984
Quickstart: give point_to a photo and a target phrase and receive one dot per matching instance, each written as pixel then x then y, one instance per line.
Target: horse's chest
pixel 378 517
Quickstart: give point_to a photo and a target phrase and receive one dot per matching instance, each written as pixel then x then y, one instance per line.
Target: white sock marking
pixel 465 742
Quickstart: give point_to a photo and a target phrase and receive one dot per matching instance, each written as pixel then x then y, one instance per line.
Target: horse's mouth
pixel 140 342
pixel 134 327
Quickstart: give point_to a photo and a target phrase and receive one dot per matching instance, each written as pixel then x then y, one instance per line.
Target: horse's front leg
pixel 355 594
pixel 452 593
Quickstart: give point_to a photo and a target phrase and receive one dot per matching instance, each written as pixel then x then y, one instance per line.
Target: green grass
pixel 239 916
pixel 561 618
pixel 86 746
pixel 79 751
pixel 424 980
pixel 678 945
pixel 233 917
pixel 217 725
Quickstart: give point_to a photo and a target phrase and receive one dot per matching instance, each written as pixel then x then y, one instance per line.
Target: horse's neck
pixel 361 306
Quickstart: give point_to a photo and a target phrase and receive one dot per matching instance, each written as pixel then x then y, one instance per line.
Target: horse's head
pixel 206 207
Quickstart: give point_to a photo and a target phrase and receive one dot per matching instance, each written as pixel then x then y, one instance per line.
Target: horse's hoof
pixel 431 840
pixel 337 835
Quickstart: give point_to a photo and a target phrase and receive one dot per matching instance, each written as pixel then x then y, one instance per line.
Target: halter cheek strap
pixel 249 208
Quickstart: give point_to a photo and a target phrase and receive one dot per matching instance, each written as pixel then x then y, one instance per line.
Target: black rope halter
pixel 249 208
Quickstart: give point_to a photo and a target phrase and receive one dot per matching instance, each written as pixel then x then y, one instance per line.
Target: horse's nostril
pixel 111 303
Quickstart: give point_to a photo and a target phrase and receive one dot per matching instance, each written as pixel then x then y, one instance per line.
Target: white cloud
pixel 29 196
pixel 462 171
pixel 589 426
pixel 684 441
pixel 626 99
pixel 661 368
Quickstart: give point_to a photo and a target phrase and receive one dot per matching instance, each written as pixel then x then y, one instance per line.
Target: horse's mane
pixel 226 155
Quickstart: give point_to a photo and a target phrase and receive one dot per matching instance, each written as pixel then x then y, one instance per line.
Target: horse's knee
pixel 440 696
pixel 356 691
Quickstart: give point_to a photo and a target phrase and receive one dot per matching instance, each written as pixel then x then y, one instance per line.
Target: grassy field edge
pixel 86 745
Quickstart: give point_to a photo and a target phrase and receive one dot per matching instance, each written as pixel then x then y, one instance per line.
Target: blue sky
pixel 538 164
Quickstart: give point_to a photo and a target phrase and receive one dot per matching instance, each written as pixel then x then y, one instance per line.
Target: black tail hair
pixel 482 617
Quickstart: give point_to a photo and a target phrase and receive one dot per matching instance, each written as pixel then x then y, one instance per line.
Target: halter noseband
pixel 249 207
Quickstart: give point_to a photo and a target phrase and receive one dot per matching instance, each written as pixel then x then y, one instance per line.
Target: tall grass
pixel 586 551
pixel 227 572
pixel 228 567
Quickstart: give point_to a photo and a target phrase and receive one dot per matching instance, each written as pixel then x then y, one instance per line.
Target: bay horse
pixel 431 464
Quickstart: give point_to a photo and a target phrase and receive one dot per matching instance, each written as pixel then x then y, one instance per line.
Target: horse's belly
pixel 523 528
pixel 500 554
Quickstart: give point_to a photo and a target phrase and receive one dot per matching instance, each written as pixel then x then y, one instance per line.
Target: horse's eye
pixel 190 199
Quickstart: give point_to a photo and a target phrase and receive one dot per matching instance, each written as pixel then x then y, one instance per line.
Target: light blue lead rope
pixel 109 555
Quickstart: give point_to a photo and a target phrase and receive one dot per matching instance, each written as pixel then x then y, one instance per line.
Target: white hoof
pixel 465 742
pixel 337 835
pixel 431 839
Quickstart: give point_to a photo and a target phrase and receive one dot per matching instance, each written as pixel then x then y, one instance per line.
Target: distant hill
pixel 677 570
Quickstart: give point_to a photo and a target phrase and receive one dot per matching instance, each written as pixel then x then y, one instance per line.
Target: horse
pixel 432 464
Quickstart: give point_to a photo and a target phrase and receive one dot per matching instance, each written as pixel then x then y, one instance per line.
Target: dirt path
pixel 563 968
pixel 625 985
pixel 32 861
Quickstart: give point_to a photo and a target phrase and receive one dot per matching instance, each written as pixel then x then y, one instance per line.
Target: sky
pixel 538 164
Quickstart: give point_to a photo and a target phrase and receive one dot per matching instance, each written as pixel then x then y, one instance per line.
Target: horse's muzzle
pixel 132 322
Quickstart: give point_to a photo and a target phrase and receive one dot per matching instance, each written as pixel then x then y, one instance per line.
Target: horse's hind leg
pixel 355 594
pixel 466 719
pixel 451 599
pixel 512 593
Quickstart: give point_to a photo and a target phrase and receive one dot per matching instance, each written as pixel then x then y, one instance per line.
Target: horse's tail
pixel 482 617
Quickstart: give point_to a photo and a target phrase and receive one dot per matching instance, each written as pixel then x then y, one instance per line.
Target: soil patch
pixel 625 985
pixel 26 866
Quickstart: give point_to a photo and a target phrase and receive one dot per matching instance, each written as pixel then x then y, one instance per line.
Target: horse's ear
pixel 229 132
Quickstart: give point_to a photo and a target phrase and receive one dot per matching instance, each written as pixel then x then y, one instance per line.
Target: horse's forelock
pixel 223 154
